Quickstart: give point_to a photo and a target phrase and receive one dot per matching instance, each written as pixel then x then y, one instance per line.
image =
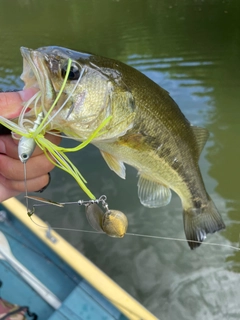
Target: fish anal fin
pixel 198 222
pixel 153 194
pixel 201 135
pixel 114 164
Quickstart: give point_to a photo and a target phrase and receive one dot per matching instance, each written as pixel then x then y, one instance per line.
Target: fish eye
pixel 74 72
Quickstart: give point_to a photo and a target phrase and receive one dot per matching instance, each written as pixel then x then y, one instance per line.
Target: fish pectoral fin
pixel 201 135
pixel 153 194
pixel 114 164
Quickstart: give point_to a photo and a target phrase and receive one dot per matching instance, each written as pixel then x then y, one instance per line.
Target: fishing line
pixel 69 96
pixel 25 184
pixel 49 260
pixel 43 124
pixel 138 235
pixel 183 240
pixel 21 120
pixel 88 231
pixel 103 200
pixel 59 228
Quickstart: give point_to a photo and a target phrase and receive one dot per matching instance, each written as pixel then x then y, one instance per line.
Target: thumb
pixel 11 102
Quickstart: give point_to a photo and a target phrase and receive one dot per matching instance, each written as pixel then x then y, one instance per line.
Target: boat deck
pixel 79 299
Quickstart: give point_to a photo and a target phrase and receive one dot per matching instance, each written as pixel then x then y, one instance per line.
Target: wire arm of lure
pixel 46 202
pixel 112 222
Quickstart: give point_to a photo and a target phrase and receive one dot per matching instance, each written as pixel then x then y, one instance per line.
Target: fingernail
pixel 44 188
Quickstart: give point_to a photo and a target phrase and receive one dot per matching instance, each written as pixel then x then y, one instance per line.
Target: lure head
pixel 94 90
pixel 26 147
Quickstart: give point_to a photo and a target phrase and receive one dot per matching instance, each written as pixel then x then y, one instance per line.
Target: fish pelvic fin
pixel 198 222
pixel 114 164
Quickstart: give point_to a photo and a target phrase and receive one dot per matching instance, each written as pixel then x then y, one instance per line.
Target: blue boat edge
pixel 113 293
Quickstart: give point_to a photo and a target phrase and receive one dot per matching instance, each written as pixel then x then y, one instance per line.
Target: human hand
pixel 11 168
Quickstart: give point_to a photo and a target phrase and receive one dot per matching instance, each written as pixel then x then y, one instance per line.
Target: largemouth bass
pixel 147 130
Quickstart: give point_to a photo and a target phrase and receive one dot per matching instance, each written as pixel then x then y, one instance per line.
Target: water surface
pixel 192 49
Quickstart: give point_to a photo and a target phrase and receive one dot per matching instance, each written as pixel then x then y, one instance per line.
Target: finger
pixel 13 169
pixel 6 193
pixel 19 186
pixel 8 146
pixel 11 102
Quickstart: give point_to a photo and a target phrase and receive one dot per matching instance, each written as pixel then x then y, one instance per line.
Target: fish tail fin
pixel 200 221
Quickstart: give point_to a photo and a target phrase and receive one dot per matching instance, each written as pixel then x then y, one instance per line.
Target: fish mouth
pixel 30 75
pixel 35 75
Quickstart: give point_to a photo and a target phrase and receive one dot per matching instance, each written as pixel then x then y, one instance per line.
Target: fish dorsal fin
pixel 201 135
pixel 153 194
pixel 114 164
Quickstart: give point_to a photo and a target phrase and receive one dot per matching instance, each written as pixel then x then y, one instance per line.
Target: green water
pixel 192 49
